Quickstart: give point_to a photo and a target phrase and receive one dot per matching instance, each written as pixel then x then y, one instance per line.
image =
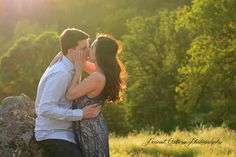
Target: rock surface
pixel 17 117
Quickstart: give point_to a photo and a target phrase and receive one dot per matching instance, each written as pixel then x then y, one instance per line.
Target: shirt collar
pixel 68 63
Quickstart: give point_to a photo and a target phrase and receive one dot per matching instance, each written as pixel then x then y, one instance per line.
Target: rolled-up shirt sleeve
pixel 54 90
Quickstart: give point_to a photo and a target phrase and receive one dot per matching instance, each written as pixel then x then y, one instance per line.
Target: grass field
pixel 203 142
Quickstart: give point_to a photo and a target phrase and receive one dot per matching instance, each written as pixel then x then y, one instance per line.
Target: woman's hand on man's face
pixel 79 61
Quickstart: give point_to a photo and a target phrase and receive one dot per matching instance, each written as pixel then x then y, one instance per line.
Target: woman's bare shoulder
pixel 98 76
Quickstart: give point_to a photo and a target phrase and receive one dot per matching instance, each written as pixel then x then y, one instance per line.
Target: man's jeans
pixel 59 148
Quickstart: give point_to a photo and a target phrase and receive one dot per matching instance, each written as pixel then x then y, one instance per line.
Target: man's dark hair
pixel 70 37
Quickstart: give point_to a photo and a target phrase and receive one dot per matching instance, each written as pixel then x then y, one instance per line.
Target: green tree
pixel 153 51
pixel 117 118
pixel 25 27
pixel 208 80
pixel 22 67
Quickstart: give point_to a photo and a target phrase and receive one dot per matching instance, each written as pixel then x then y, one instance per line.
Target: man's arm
pixel 54 90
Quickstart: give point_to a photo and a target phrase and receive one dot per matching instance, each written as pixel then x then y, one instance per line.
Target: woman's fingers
pixel 80 55
pixel 79 61
pixel 76 59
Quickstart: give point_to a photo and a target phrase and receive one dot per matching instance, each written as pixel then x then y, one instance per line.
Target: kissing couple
pixel 69 120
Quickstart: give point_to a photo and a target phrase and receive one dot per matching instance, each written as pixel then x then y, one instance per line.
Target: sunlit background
pixel 180 56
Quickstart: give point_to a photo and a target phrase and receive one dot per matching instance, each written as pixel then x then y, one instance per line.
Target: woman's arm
pixel 90 67
pixel 78 89
pixel 58 57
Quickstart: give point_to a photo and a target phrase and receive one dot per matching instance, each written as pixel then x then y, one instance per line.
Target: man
pixel 53 125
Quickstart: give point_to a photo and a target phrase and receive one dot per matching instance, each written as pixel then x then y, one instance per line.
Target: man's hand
pixel 91 111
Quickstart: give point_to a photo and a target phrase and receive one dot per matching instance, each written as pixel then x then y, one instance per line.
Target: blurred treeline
pixel 180 56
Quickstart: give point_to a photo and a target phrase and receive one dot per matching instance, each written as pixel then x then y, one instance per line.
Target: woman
pixel 106 83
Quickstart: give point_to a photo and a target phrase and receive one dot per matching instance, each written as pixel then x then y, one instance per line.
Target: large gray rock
pixel 17 117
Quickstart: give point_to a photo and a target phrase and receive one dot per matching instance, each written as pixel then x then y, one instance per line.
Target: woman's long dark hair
pixel 107 49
